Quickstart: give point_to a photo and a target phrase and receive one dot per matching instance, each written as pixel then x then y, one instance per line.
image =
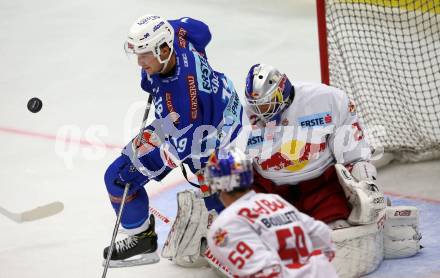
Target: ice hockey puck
pixel 34 105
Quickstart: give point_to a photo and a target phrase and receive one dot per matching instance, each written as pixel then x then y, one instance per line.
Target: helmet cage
pixel 275 100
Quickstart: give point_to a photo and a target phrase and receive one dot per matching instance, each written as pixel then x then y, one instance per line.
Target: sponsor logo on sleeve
pixel 203 74
pixel 192 97
pixel 185 60
pixel 181 36
pixel 170 107
pixel 315 120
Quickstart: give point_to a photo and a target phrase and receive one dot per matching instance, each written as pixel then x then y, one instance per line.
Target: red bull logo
pixel 276 162
pixel 220 237
pixel 294 159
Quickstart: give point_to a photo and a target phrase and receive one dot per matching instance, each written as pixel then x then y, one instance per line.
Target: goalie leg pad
pixel 186 240
pixel 401 234
pixel 359 249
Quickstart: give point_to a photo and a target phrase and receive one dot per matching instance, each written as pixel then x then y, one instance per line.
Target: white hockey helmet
pixel 149 33
pixel 265 85
pixel 228 169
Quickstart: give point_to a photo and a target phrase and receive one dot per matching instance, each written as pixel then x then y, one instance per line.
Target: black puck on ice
pixel 34 105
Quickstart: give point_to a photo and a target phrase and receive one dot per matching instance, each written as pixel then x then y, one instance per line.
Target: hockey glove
pixel 129 174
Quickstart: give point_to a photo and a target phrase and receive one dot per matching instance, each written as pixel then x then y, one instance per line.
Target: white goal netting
pixel 386 55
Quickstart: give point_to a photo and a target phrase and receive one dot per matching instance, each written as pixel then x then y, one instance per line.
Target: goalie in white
pixel 262 235
pixel 305 129
pixel 301 131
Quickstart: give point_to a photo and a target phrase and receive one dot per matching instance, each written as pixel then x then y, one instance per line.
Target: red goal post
pixel 386 55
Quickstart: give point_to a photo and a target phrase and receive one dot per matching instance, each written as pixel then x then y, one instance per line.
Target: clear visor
pixel 130 48
pixel 143 59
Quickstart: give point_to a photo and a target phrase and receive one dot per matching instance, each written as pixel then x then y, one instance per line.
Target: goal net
pixel 385 54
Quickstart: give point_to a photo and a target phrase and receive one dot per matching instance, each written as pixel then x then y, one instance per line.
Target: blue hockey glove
pixel 129 174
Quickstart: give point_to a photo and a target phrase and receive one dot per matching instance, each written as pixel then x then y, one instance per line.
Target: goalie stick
pixel 33 214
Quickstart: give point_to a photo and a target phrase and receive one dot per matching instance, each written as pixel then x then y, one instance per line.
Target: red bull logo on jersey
pixel 314 120
pixel 220 237
pixel 352 107
pixel 293 156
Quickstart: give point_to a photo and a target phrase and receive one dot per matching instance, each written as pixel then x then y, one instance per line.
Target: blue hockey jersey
pixel 209 112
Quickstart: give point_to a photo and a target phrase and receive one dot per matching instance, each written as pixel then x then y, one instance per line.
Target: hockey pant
pixel 322 198
pixel 136 206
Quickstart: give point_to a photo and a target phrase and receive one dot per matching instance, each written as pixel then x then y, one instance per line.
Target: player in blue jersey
pixel 196 111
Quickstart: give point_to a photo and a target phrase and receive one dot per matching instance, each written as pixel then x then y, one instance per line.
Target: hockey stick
pixel 127 187
pixel 33 214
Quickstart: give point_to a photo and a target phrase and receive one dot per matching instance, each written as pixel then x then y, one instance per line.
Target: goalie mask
pixel 148 34
pixel 228 169
pixel 268 91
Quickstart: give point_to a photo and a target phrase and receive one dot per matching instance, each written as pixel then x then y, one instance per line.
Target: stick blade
pixel 42 212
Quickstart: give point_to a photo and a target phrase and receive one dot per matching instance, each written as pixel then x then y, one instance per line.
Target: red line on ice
pixel 51 137
pixel 412 197
pixel 57 138
pixel 168 186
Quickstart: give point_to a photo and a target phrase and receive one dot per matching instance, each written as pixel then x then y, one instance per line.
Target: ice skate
pixel 136 249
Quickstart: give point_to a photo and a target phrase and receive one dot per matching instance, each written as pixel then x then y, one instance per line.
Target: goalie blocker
pixel 378 231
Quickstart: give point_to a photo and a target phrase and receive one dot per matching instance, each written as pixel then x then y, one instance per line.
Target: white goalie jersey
pixel 261 235
pixel 318 129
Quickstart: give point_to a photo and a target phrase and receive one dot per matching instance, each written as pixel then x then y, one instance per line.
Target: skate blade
pixel 142 259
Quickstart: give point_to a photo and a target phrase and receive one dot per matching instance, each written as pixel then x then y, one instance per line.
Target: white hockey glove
pixel 368 203
pixel 186 240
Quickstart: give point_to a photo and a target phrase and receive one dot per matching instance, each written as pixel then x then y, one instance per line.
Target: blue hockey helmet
pixel 228 169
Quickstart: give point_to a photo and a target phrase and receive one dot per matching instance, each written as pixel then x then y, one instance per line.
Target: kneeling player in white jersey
pixel 262 235
pixel 303 130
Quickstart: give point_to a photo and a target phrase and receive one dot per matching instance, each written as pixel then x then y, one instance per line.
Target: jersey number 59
pixel 294 254
pixel 238 256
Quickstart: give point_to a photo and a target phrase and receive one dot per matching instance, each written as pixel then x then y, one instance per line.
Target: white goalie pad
pixel 366 200
pixel 186 240
pixel 359 249
pixel 401 234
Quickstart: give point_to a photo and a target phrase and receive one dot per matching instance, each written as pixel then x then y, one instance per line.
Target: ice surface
pixel 70 54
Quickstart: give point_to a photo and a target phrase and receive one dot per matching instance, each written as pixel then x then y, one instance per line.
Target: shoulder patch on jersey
pixel 318 119
pixel 220 237
pixel 351 107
